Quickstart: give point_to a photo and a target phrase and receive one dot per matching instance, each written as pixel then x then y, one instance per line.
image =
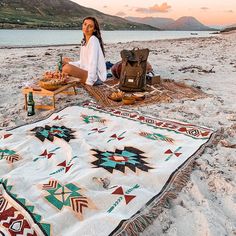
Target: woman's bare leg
pixel 75 72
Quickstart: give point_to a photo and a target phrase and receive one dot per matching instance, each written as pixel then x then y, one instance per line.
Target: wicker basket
pixel 52 84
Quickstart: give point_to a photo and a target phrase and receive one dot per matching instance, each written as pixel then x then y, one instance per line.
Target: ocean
pixel 24 38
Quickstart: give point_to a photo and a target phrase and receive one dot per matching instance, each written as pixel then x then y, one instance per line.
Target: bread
pixel 117 95
pixel 54 75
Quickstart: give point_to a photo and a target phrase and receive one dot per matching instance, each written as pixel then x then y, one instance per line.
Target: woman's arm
pixel 67 60
pixel 74 63
pixel 93 55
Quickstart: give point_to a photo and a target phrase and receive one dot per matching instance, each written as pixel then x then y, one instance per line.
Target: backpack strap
pixel 124 63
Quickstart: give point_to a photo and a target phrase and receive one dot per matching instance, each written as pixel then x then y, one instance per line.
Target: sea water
pixel 61 37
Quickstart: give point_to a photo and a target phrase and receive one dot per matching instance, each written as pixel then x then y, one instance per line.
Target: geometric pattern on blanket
pixel 16 217
pixel 119 159
pixel 49 133
pixel 68 195
pixel 9 155
pixel 164 92
pixel 99 171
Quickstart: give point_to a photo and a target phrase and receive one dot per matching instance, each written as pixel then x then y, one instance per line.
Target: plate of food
pixel 53 80
pixel 138 96
pixel 128 100
pixel 54 75
pixel 51 85
pixel 116 96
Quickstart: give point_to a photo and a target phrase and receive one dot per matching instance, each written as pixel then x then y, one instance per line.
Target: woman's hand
pixel 66 60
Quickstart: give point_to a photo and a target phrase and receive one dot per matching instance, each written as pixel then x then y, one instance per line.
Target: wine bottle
pixel 30 105
pixel 60 64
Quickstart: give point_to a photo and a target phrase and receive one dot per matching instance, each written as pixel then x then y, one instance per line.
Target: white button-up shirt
pixel 92 60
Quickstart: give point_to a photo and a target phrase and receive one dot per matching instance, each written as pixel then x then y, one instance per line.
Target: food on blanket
pixel 52 84
pixel 54 75
pixel 116 96
pixel 138 96
pixel 53 80
pixel 128 100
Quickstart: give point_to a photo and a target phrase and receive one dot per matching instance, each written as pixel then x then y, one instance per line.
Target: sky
pixel 208 12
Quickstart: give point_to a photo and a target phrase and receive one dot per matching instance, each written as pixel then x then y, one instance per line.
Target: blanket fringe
pixel 142 219
pixel 148 214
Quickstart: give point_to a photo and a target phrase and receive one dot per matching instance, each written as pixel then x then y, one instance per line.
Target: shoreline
pixel 8 41
pixel 37 46
pixel 74 45
pixel 209 196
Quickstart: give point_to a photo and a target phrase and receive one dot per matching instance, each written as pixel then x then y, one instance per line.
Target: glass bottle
pixel 60 64
pixel 30 105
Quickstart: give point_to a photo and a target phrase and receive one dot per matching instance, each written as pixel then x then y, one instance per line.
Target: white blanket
pixel 87 170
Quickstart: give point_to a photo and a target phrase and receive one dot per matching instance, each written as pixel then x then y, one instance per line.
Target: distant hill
pixel 187 23
pixel 62 14
pixel 229 28
pixel 157 22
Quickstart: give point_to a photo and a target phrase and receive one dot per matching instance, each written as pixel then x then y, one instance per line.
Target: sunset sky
pixel 209 12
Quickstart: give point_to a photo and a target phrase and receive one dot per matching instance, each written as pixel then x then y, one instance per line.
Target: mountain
pixel 63 14
pixel 229 28
pixel 187 23
pixel 157 22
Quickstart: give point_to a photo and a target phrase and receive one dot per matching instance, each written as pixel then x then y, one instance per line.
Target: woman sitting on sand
pixel 91 69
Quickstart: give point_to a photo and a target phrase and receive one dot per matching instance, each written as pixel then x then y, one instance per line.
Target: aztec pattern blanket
pixel 89 170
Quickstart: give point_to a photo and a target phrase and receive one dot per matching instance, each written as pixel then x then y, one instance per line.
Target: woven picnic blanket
pixel 164 92
pixel 89 170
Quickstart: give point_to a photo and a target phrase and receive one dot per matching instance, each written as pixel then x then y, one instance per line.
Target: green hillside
pixel 57 14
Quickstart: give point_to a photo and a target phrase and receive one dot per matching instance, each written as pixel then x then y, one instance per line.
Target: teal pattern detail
pixel 156 136
pixel 97 130
pixel 9 155
pixel 173 153
pixel 29 208
pixel 61 195
pixel 65 166
pixel 118 137
pixel 129 157
pixel 92 119
pixel 67 195
pixel 49 133
pixel 46 154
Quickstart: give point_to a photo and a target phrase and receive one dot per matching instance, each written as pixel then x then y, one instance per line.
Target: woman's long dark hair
pixel 96 32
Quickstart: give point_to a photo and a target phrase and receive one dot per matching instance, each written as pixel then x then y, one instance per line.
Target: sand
pixel 207 204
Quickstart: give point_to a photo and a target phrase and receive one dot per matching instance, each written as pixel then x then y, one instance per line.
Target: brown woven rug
pixel 166 91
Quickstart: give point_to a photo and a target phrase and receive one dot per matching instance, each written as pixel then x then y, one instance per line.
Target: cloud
pixel 126 5
pixel 120 13
pixel 204 8
pixel 105 6
pixel 142 10
pixel 163 8
pixel 230 11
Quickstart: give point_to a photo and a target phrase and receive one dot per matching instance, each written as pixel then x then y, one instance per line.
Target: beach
pixel 206 205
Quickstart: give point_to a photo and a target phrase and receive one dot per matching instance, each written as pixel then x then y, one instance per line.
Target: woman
pixel 91 69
